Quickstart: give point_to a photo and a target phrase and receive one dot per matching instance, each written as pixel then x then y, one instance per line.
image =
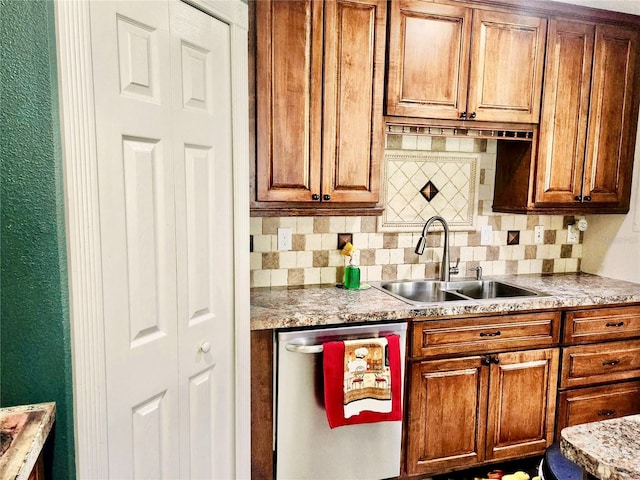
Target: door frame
pixel 76 104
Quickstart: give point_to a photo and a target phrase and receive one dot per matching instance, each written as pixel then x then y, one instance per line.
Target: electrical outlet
pixel 486 235
pixel 284 239
pixel 573 234
pixel 538 234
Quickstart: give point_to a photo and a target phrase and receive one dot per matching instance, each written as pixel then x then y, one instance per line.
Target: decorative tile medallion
pixel 411 177
pixel 513 237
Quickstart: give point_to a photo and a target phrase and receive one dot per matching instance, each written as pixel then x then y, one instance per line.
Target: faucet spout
pixel 422 241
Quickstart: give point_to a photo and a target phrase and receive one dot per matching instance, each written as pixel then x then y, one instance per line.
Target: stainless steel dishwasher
pixel 306 447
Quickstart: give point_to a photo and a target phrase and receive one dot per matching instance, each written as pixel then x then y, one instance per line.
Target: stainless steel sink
pixel 418 292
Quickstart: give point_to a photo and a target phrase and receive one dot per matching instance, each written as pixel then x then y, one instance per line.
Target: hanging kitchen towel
pixel 362 382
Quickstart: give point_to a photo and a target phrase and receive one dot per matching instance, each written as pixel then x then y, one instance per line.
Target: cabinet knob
pixel 587 198
pixel 315 197
pixel 326 197
pixel 495 360
pixel 205 347
pixel 486 361
pixel 463 115
pixel 473 115
pixel 579 198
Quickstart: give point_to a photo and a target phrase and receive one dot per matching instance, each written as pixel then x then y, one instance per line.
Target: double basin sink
pixel 418 292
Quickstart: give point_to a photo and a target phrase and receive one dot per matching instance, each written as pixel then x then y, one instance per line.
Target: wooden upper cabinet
pixel 565 107
pixel 288 99
pixel 589 117
pixel 428 59
pixel 507 58
pixel 319 87
pixel 452 62
pixel 613 117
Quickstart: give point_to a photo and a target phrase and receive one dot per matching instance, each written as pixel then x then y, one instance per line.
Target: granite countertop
pixel 23 432
pixel 283 307
pixel 609 449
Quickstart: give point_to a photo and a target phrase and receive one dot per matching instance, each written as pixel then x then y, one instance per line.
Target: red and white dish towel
pixel 362 382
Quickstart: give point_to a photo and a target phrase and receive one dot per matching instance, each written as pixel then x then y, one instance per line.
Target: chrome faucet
pixel 445 270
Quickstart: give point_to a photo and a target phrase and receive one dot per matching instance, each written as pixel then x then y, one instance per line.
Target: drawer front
pixel 597 403
pixel 602 324
pixel 438 337
pixel 606 362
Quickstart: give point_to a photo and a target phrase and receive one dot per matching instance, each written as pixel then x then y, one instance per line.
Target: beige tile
pixel 505 253
pixel 492 146
pixel 336 259
pixel 536 266
pixel 424 143
pixel 255 261
pixel 255 225
pixel 328 275
pixel 532 221
pixel 520 222
pixel 382 257
pixel 352 224
pixel 404 271
pixel 524 267
pixel 262 243
pixel 572 265
pixel 508 223
pixel 337 225
pixel 270 225
pixel 430 271
pixel 557 222
pixel 517 252
pixel 410 256
pixel 304 225
pixel 394 142
pixel 559 265
pixel 361 240
pixel 466 254
pixel 493 253
pixel 418 272
pixel 438 144
pixel 298 241
pixel 367 256
pixel 396 255
pixel 279 278
pixel 530 252
pixel 547 266
pixel 405 240
pixel 389 240
pixel 461 239
pixel 262 278
pixel 479 254
pixel 375 240
pixel 329 241
pixel 480 145
pixel 467 145
pixel 452 144
pixel 499 267
pixel 311 276
pixel 304 259
pixel 289 222
pixel 313 241
pixel 372 273
pixel 511 267
pixel 577 250
pixel 288 259
pixel 409 142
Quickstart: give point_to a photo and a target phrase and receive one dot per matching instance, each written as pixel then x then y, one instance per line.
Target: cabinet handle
pixel 493 334
pixel 587 198
pixel 611 363
pixel 463 115
pixel 619 324
pixel 606 413
pixel 473 115
pixel 315 197
pixel 326 197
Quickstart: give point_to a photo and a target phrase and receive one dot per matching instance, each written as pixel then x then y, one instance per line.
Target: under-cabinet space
pixel 457 62
pixel 475 409
pixel 592 404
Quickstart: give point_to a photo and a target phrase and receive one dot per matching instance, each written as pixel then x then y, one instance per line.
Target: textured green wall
pixel 35 348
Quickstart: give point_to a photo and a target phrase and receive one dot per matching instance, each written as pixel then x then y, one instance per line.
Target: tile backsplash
pixel 315 258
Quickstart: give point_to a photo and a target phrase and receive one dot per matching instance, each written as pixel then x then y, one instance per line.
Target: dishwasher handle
pixel 292 347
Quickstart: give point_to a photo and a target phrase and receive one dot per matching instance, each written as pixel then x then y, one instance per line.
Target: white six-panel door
pixel 165 179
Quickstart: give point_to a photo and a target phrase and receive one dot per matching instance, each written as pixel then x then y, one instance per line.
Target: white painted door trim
pixel 75 80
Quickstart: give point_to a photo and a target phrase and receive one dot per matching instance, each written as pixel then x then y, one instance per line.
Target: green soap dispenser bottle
pixel 352 273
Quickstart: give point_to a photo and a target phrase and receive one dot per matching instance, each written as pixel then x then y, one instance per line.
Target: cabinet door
pixel 612 116
pixel 507 56
pixel 353 129
pixel 522 396
pixel 288 99
pixel 447 414
pixel 428 59
pixel 565 105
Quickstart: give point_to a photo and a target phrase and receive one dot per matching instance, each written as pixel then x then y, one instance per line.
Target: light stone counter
pixel 283 307
pixel 24 430
pixel 609 449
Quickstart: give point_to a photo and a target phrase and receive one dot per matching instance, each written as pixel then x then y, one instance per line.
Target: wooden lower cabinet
pixel 465 411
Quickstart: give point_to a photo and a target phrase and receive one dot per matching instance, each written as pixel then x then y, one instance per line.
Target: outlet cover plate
pixel 284 239
pixel 573 234
pixel 486 235
pixel 538 234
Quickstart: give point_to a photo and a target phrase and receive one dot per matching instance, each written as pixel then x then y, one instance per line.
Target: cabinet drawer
pixel 608 362
pixel 602 324
pixel 597 403
pixel 438 337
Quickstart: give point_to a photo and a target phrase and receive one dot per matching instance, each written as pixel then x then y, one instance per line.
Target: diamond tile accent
pixel 429 191
pixel 449 181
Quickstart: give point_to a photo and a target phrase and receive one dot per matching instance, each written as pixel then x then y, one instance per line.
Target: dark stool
pixel 556 466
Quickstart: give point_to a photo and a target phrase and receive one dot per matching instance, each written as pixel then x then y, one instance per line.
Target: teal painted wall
pixel 35 347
